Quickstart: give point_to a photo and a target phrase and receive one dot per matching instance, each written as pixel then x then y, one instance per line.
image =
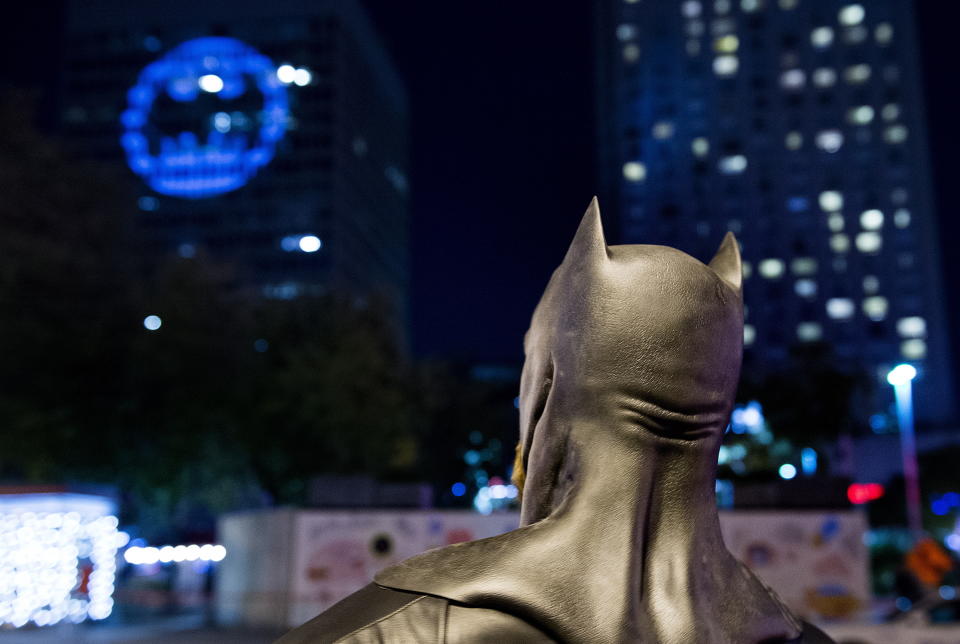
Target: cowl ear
pixel 726 263
pixel 588 248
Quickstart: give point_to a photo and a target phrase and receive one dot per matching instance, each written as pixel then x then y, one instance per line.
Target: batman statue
pixel 632 361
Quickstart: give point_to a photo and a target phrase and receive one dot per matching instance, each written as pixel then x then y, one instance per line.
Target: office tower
pixel 798 125
pixel 271 135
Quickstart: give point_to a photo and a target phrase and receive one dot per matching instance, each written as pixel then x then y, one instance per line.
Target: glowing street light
pixel 901 377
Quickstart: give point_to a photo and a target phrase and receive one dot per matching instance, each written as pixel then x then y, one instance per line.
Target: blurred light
pixel 631 53
pixel 260 345
pixel 824 77
pixel 871 284
pixel 634 171
pixel 808 461
pixel 953 542
pixel 901 218
pixel 286 73
pixel 734 164
pixel 829 140
pixel 836 223
pixel 700 146
pixel 793 79
pixel 805 288
pixel 221 122
pixel 458 489
pixel 152 322
pixel 856 74
pixel 797 204
pixel 626 32
pixel 947 592
pixel 839 243
pixel 869 242
pixel 903 604
pixel 771 268
pixel 855 35
pixel 895 134
pixel 148 204
pixel 725 65
pixel 915 349
pixel 821 37
pixel 890 112
pixel 210 83
pixel 749 334
pixel 860 493
pixel 726 44
pixel 850 15
pixel 860 115
pixel 750 6
pixel 901 374
pixel 787 471
pixel 310 243
pixel 912 327
pixel 871 219
pixel 187 251
pixel 302 77
pixel 883 33
pixel 793 140
pixel 663 130
pixel 809 331
pixel 471 457
pixel 150 555
pixel 803 265
pixel 831 200
pixel 691 8
pixel 840 308
pixel 875 307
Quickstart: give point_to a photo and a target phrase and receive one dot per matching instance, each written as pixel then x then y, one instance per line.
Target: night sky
pixel 502 114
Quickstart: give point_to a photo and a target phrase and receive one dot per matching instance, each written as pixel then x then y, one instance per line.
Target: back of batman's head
pixel 636 334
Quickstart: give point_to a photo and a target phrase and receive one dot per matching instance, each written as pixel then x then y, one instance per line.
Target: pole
pixel 903 392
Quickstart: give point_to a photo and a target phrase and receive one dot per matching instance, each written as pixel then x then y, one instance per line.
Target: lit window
pixel 915 349
pixel 901 218
pixel 875 307
pixel 626 32
pixel 695 28
pixel 286 73
pixel 860 115
pixel 912 327
pixel 835 222
pixel 803 266
pixel 839 243
pixel 871 219
pixel 895 134
pixel 751 5
pixel 693 47
pixel 797 204
pixel 805 288
pixel 210 83
pixel 899 196
pixel 792 79
pixel 850 15
pixel 634 171
pixel 726 44
pixel 890 112
pixel 725 65
pixel 721 6
pixel 821 37
pixel 883 33
pixel 734 164
pixel 830 140
pixel 809 331
pixel 787 5
pixel 771 268
pixel 871 284
pixel 831 200
pixel 302 77
pixel 824 77
pixel 793 140
pixel 722 26
pixel 749 334
pixel 700 146
pixel 855 35
pixel 663 130
pixel 747 269
pixel 869 242
pixel 221 122
pixel 855 74
pixel 840 308
pixel 839 264
pixel 631 53
pixel 691 8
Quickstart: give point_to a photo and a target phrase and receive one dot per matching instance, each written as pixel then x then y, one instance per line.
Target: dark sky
pixel 502 158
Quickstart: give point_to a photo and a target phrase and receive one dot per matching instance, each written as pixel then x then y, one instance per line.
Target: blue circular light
pixel 197 165
pixel 458 489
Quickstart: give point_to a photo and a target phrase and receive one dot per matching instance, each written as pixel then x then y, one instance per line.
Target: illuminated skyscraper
pixel 797 124
pixel 272 135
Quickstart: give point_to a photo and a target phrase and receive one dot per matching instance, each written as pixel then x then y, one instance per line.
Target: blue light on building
pixel 195 165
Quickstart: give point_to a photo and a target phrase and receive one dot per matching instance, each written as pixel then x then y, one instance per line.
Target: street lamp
pixel 901 377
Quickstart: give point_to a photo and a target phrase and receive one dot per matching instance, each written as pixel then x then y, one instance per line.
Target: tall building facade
pixel 270 135
pixel 798 125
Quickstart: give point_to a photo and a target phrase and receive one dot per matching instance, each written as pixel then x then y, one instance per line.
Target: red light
pixel 860 493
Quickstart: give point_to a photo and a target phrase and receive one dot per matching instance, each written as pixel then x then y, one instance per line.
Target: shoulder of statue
pixel 374 614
